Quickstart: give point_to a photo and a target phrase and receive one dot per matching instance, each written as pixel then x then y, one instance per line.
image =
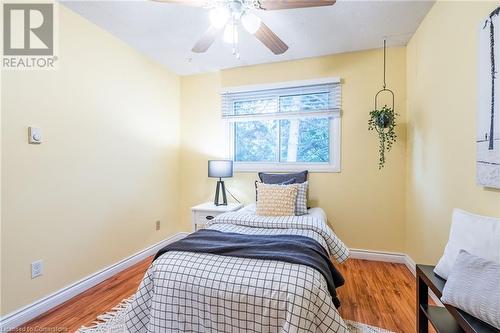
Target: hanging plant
pixel 383 121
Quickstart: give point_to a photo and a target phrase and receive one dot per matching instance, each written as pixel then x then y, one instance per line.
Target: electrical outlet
pixel 157 225
pixel 36 268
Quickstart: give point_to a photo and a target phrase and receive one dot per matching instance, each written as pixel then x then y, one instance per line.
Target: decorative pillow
pixel 301 202
pixel 474 286
pixel 475 234
pixel 277 178
pixel 276 200
pixel 288 182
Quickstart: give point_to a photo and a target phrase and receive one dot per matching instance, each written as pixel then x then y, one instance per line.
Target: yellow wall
pixel 126 143
pixel 107 170
pixel 366 207
pixel 442 106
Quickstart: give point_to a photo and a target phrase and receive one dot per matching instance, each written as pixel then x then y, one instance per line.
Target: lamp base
pixel 220 185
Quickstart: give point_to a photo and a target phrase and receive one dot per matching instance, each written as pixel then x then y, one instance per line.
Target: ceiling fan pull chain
pixel 236 51
pixel 236 48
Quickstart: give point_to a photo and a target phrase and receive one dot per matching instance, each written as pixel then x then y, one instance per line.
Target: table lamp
pixel 220 169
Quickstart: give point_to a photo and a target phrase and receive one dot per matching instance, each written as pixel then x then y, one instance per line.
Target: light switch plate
pixel 34 135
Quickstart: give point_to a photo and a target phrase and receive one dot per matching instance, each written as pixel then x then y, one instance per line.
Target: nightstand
pixel 207 211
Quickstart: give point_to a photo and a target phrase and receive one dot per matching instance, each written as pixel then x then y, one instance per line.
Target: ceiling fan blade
pixel 192 3
pixel 205 41
pixel 270 39
pixel 291 4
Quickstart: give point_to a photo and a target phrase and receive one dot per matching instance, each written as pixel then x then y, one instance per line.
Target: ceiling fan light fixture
pixel 219 17
pixel 230 34
pixel 230 13
pixel 251 22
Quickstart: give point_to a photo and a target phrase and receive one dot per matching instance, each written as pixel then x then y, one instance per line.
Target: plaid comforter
pixel 198 292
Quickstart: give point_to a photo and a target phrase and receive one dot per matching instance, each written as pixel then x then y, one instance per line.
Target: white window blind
pixel 302 101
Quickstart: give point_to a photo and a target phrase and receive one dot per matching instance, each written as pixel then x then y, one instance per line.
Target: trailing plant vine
pixel 383 121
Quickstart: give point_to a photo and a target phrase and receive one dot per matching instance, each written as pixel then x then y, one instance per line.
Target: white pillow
pixel 476 234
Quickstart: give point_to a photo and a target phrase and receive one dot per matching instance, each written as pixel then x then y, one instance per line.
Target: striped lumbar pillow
pixel 473 285
pixel 276 200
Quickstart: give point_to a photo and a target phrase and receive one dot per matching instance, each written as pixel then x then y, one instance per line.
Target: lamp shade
pixel 220 168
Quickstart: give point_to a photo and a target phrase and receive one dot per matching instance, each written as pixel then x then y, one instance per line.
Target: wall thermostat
pixel 35 135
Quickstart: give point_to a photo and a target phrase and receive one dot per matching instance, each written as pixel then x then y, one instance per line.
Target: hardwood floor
pixel 375 293
pixel 378 294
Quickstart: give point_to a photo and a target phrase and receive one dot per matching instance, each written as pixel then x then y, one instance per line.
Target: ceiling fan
pixel 229 15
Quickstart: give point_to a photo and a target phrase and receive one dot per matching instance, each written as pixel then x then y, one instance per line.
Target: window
pixel 286 127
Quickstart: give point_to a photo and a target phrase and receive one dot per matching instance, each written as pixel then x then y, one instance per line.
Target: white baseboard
pixel 394 257
pixel 25 314
pixel 411 265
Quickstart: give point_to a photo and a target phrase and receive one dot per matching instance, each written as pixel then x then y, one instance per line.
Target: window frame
pixel 335 135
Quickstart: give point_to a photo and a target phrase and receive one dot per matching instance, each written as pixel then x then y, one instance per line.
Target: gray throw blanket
pixel 288 248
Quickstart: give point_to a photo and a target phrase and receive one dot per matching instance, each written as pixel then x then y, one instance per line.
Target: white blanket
pixel 195 292
pixel 312 225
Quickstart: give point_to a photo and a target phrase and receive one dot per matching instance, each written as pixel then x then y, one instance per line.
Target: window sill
pixel 283 167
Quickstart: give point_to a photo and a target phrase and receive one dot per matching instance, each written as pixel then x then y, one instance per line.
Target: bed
pixel 202 292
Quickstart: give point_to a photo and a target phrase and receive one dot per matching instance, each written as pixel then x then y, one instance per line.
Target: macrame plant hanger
pixel 384 89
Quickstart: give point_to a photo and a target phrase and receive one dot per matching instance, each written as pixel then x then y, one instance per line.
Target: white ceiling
pixel 167 32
